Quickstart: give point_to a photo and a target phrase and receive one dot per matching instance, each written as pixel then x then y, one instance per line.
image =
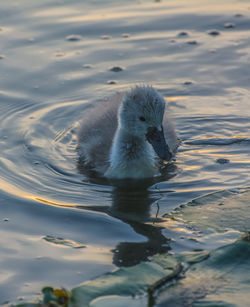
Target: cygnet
pixel 128 136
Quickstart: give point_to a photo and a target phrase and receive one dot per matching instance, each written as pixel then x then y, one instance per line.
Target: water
pixel 56 61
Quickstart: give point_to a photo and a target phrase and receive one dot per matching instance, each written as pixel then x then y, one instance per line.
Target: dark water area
pixel 62 227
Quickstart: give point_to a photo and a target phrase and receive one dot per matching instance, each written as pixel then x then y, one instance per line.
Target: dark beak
pixel 157 140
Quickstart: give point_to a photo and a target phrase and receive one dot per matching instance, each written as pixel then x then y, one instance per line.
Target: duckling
pixel 128 136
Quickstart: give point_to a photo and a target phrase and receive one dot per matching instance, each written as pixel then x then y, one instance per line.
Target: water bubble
pixel 213 32
pixel 193 239
pixel 116 68
pixel 229 25
pixel 59 54
pixel 183 33
pixel 192 42
pixel 106 37
pixel 188 83
pixel 73 37
pixel 170 252
pixel 87 66
pixel 222 161
pixel 112 82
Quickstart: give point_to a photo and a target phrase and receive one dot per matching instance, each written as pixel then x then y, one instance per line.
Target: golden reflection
pixel 57 11
pixel 191 167
pixel 176 225
pixel 99 13
pixel 11 189
pixel 74 75
pixel 53 203
pixel 41 112
pixel 5 276
pixel 111 14
pixel 175 98
pixel 96 254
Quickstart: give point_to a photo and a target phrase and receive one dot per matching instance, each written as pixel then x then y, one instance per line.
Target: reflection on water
pixel 132 205
pixel 128 254
pixel 48 81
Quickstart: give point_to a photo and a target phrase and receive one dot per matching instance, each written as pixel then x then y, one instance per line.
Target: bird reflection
pixel 132 206
pixel 131 203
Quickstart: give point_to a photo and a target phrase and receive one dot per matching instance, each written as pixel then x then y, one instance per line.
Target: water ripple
pixel 219 141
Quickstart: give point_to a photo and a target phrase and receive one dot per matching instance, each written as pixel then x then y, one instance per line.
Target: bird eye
pixel 142 119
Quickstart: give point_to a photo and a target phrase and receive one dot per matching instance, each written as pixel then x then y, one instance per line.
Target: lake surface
pixel 56 60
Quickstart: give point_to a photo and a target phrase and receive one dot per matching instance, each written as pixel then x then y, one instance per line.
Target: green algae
pixel 219 211
pixel 200 278
pixel 216 278
pixel 220 280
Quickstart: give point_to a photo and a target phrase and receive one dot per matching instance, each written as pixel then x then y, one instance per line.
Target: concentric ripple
pixel 38 152
pixel 39 158
pixel 58 58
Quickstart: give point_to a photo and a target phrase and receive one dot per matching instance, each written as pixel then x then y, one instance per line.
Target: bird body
pixel 124 136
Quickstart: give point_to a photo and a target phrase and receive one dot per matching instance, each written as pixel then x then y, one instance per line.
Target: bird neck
pixel 131 156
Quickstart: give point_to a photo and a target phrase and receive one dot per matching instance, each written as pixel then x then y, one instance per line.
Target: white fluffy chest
pixel 132 160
